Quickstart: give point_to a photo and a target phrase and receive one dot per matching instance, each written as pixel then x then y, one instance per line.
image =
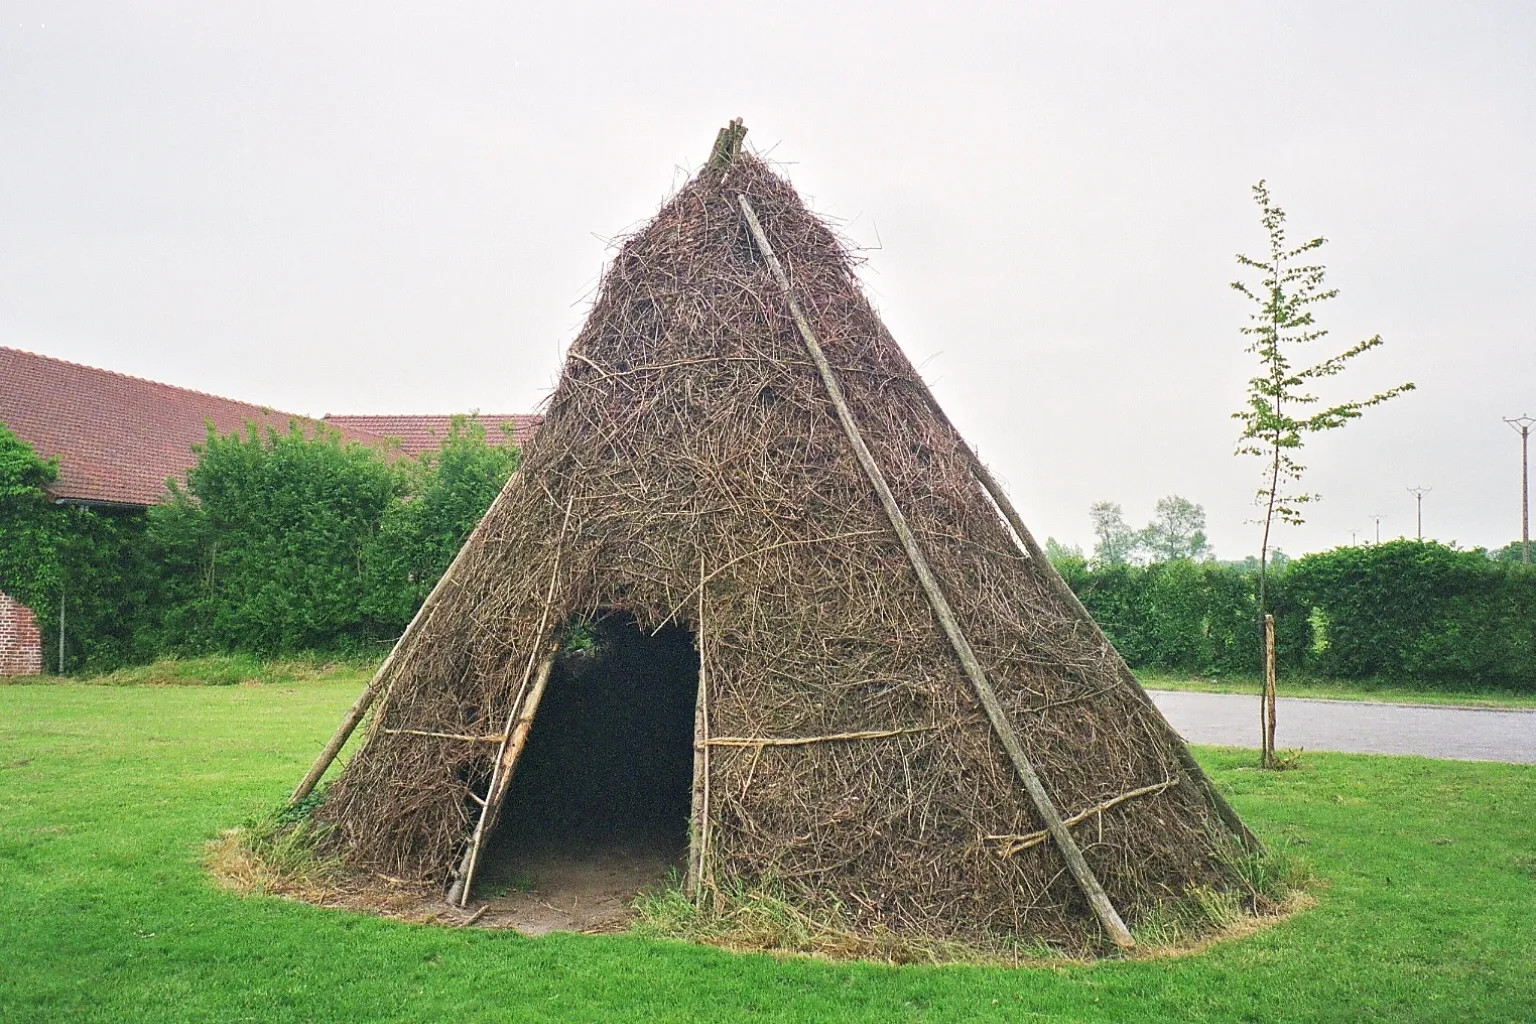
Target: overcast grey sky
pixel 393 208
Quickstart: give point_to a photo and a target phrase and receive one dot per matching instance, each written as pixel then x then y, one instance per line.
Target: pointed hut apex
pixel 727 146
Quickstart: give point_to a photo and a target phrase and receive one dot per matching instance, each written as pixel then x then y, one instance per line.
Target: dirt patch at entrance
pixel 588 890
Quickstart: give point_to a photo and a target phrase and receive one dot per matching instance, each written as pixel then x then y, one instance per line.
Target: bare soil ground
pixel 577 890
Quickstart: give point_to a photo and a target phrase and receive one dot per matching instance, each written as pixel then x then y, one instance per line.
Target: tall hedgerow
pixel 449 490
pixel 267 545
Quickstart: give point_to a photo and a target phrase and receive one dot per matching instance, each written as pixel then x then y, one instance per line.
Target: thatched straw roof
pixel 691 468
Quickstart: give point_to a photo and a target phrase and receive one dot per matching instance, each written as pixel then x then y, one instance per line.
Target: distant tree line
pixel 278 543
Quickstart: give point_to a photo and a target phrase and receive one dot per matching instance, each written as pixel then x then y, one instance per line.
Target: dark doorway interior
pixel 598 806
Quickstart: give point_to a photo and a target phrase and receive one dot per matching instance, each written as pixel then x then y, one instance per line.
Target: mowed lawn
pixel 109 793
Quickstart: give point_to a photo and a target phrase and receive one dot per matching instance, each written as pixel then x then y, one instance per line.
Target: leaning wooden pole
pixel 698 817
pixel 513 741
pixel 1087 881
pixel 1068 596
pixel 525 704
pixel 375 685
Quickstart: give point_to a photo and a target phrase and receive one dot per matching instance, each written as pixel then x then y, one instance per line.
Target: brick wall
pixel 21 644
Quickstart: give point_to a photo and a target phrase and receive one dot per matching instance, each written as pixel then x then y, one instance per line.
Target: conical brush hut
pixel 893 705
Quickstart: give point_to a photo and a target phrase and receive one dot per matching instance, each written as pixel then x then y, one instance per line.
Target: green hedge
pixel 280 543
pixel 286 543
pixel 1422 611
pixel 1401 610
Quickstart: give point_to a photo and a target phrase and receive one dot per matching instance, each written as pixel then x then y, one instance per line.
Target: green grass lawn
pixel 109 793
pixel 1331 689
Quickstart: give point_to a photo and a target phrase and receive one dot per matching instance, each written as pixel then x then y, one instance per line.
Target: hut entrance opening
pixel 599 802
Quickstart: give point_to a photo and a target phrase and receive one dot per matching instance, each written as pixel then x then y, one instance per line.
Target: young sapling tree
pixel 1281 411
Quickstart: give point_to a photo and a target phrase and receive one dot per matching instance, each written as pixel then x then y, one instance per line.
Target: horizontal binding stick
pixel 465 737
pixel 801 741
pixel 1087 881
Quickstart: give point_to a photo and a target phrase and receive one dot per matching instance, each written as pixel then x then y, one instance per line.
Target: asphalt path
pixel 1355 727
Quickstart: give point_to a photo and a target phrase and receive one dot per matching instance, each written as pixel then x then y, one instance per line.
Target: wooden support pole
pixel 501 777
pixel 1087 881
pixel 376 685
pixel 1068 596
pixel 520 713
pixel 698 817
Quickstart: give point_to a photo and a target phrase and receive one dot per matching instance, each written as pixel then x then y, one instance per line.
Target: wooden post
pixel 698 818
pixel 516 738
pixel 1087 881
pixel 515 735
pixel 1269 691
pixel 376 684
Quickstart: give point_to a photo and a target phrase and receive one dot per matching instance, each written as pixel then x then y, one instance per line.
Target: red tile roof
pixel 419 434
pixel 119 438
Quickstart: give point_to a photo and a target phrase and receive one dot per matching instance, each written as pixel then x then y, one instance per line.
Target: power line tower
pixel 1378 517
pixel 1418 494
pixel 1522 424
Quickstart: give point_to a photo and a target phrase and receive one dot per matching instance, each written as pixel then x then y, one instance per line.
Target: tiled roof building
pixel 418 434
pixel 119 438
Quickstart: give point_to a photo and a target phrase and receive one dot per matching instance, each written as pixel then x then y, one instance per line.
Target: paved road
pixel 1355 727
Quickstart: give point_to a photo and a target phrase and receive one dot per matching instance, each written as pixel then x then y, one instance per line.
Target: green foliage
pixel 1402 610
pixel 450 489
pixel 1056 551
pixel 1422 610
pixel 1115 543
pixel 113 600
pixel 1279 413
pixel 279 543
pixel 285 542
pixel 269 542
pixel 579 637
pixel 94 561
pixel 1181 616
pixel 1514 551
pixel 29 524
pixel 1177 530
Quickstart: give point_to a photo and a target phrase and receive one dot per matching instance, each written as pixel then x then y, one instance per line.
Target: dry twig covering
pixel 690 425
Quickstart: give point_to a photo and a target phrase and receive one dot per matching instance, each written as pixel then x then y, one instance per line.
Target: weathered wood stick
pixel 799 741
pixel 516 731
pixel 1013 844
pixel 698 835
pixel 466 737
pixel 506 763
pixel 1087 881
pixel 376 685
